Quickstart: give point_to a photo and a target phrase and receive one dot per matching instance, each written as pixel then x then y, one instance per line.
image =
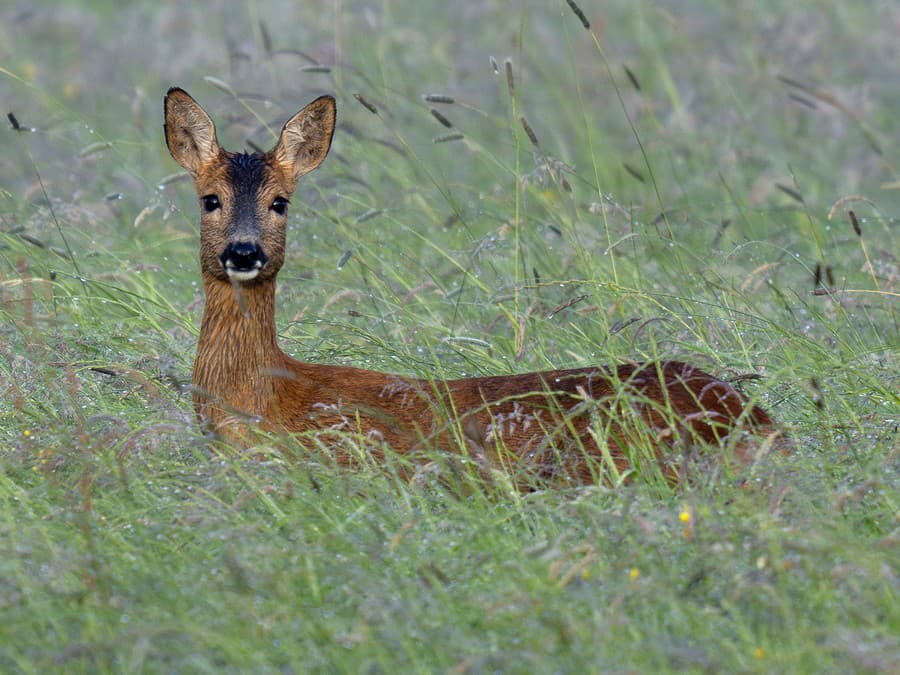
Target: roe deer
pixel 558 426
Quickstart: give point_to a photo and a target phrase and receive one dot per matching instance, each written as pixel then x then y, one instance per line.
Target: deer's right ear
pixel 306 138
pixel 190 133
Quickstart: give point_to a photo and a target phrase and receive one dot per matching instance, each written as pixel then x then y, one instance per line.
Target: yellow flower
pixel 759 653
pixel 634 573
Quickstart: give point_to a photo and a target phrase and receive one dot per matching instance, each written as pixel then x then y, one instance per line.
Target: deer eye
pixel 280 205
pixel 210 203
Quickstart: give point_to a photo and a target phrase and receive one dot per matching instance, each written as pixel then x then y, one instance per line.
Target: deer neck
pixel 238 351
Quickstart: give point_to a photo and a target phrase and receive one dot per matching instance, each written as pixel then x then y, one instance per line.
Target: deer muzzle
pixel 243 260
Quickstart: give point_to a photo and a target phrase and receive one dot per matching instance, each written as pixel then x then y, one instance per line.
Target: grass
pixel 695 169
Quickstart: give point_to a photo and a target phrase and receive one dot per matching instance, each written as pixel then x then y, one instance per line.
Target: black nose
pixel 243 259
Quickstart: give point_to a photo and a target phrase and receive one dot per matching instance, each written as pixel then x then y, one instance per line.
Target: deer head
pixel 244 197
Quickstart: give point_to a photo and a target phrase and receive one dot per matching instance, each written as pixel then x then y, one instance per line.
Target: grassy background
pixel 696 165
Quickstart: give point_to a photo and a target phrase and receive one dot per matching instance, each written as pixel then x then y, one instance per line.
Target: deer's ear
pixel 306 138
pixel 190 133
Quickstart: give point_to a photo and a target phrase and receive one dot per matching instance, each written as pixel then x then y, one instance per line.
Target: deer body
pixel 555 424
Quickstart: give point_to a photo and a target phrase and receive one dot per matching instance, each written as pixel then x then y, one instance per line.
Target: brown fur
pixel 558 425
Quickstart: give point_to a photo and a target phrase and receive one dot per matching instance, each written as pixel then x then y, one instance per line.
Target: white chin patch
pixel 241 275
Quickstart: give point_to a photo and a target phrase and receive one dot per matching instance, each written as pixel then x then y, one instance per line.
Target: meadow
pixel 512 187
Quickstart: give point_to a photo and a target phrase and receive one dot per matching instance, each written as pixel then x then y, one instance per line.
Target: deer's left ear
pixel 190 133
pixel 306 138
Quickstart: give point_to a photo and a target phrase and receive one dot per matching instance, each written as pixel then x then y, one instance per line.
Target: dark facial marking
pixel 246 173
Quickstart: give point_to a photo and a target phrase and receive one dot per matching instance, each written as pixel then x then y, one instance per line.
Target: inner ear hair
pixel 190 133
pixel 306 137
